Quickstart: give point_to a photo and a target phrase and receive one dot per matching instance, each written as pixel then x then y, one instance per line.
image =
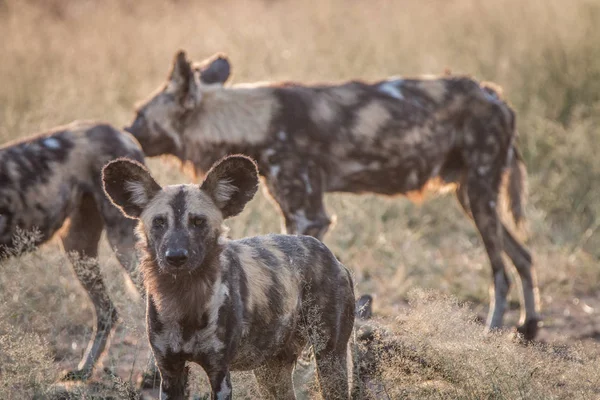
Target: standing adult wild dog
pixel 249 304
pixel 55 177
pixel 397 136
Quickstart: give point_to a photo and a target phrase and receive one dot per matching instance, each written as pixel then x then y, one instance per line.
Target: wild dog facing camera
pixel 181 223
pixel 248 304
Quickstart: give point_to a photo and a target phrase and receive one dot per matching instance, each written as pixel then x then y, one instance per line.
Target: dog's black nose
pixel 176 257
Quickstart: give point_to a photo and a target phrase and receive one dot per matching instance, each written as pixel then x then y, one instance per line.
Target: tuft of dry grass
pixel 436 349
pixel 27 365
pixel 90 59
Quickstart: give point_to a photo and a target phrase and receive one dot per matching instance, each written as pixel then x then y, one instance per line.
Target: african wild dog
pixel 372 348
pixel 55 177
pixel 249 304
pixel 377 346
pixel 396 136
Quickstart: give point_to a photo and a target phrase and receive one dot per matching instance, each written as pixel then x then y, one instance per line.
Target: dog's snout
pixel 176 257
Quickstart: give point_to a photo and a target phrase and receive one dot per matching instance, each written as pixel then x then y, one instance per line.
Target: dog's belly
pixel 377 178
pixel 44 209
pixel 259 347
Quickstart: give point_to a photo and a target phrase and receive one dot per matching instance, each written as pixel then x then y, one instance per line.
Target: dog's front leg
pixel 173 379
pixel 220 383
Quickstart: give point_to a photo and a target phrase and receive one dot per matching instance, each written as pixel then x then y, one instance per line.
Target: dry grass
pixel 86 59
pixel 27 363
pixel 435 350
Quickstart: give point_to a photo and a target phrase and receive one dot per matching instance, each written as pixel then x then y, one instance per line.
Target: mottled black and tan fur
pixel 396 136
pixel 249 304
pixel 51 183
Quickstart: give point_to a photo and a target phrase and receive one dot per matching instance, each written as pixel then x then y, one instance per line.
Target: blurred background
pixel 89 59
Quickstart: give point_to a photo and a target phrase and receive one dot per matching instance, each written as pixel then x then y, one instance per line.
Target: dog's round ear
pixel 231 183
pixel 216 69
pixel 129 185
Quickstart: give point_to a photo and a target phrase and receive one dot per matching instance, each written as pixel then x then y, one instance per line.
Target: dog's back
pixel 42 178
pixel 293 291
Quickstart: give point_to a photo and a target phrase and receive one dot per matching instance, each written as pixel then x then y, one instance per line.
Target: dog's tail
pixel 515 188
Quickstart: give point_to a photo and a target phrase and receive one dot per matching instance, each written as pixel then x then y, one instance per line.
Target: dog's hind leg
pixel 80 240
pixel 275 379
pixel 333 372
pixel 521 258
pixel 120 232
pixel 297 188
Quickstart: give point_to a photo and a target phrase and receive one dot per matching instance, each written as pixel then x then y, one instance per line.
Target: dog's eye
pixel 197 221
pixel 159 222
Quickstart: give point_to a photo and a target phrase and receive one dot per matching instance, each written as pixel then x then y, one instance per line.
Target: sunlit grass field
pixel 65 59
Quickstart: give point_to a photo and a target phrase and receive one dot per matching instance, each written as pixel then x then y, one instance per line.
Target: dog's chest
pixel 183 341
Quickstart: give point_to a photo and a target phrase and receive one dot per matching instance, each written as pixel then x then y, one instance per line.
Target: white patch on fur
pixel 51 143
pixel 138 193
pixel 490 96
pixel 274 170
pixel 223 240
pixel 163 395
pixel 170 339
pixel 259 281
pixel 510 155
pixel 282 135
pixel 433 87
pixel 302 223
pixel 483 170
pixel 224 391
pixel 435 171
pixel 392 88
pixel 346 169
pixel 205 341
pixel 469 138
pixel 370 119
pixel 224 191
pixel 352 166
pixel 307 184
pixel 413 179
pixel 219 295
pixel 374 165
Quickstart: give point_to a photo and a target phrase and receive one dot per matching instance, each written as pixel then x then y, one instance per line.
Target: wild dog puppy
pixel 53 181
pixel 394 136
pixel 249 304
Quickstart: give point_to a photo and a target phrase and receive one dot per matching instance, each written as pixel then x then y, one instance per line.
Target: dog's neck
pixel 186 294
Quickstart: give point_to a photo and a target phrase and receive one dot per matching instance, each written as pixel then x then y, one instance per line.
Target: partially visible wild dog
pixel 371 348
pixel 374 350
pixel 53 181
pixel 396 136
pixel 249 304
